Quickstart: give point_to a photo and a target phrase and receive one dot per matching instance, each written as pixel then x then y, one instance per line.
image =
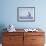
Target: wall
pixel 8 13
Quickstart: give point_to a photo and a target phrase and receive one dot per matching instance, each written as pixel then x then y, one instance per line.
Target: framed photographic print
pixel 26 14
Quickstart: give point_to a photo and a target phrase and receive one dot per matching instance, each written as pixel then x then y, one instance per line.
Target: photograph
pixel 26 14
pixel 22 22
